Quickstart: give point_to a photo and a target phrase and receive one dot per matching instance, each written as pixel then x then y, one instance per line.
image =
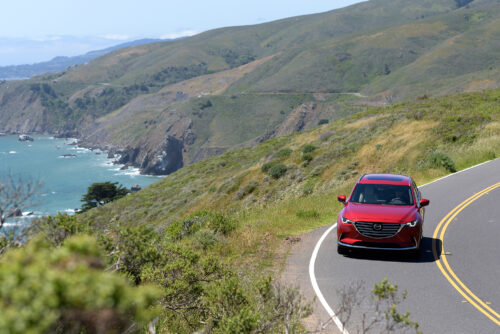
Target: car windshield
pixel 382 194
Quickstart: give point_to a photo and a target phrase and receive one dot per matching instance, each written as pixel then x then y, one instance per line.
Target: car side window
pixel 417 192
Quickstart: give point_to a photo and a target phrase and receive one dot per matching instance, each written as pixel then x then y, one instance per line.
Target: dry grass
pixel 400 142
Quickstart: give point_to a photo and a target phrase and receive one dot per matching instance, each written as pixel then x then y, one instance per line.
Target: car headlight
pixel 346 221
pixel 412 223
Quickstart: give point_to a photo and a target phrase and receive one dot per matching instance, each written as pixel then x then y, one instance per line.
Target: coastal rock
pixel 111 155
pixel 68 155
pixel 135 188
pixel 14 213
pixel 125 167
pixel 167 161
pixel 25 138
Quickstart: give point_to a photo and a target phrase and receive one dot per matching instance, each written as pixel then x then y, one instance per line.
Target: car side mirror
pixel 424 202
pixel 341 198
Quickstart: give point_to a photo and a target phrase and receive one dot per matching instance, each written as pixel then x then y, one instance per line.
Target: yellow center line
pixel 468 295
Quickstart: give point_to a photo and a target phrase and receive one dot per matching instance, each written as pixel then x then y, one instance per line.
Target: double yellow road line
pixel 445 268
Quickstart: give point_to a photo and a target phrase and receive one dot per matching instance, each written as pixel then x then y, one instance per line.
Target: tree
pixel 16 194
pixel 102 193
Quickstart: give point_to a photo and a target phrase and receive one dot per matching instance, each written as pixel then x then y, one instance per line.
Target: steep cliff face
pixel 166 160
pixel 16 103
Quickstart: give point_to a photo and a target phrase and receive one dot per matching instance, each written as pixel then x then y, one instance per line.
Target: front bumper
pixel 340 243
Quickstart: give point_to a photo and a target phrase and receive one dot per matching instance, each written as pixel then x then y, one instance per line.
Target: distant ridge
pixel 56 64
pixel 165 105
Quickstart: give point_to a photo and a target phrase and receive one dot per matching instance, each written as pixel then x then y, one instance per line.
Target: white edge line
pixel 315 286
pixel 314 255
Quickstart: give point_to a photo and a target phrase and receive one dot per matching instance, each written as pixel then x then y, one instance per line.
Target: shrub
pixel 187 226
pixel 440 159
pixel 66 290
pixel 205 239
pixel 221 223
pixel 323 121
pixel 55 229
pixel 284 153
pixel 308 148
pixel 307 157
pixel 278 171
pixel 206 104
pixel 267 166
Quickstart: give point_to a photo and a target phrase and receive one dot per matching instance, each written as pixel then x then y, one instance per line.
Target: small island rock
pixel 25 138
pixel 135 188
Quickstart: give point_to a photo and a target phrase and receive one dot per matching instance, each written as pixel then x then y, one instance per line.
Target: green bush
pixel 206 239
pixel 66 289
pixel 308 148
pixel 323 121
pixel 284 153
pixel 267 166
pixel 188 226
pixel 278 171
pixel 441 160
pixel 307 157
pixel 221 223
pixel 55 229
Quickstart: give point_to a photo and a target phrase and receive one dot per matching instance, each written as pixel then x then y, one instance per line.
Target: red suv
pixel 384 211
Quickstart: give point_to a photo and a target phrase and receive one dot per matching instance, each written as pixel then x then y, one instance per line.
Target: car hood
pixel 379 213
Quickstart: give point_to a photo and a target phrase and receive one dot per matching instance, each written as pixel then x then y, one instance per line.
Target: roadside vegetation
pixel 212 237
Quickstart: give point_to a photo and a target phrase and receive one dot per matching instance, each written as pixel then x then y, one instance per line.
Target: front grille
pixel 387 229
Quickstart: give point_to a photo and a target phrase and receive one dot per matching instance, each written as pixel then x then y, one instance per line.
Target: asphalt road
pixel 471 248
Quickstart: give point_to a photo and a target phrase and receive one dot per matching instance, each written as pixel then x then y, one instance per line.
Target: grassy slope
pixel 411 53
pixel 403 138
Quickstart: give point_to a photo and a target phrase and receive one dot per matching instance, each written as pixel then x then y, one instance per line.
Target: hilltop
pixel 166 105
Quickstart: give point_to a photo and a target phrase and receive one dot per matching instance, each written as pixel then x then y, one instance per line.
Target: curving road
pixel 455 289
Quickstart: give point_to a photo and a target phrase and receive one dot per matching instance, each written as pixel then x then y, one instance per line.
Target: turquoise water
pixel 65 179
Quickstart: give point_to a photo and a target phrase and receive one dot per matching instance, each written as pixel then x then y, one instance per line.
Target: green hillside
pixel 232 87
pixel 426 138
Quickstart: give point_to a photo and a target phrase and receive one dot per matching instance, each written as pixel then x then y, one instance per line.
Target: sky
pixel 33 30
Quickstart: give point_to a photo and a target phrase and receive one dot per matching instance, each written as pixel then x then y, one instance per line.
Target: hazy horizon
pixel 49 29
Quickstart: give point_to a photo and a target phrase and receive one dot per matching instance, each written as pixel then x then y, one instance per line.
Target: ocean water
pixel 65 179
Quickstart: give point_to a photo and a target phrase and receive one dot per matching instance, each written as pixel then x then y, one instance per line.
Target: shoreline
pixel 110 151
pixel 65 178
